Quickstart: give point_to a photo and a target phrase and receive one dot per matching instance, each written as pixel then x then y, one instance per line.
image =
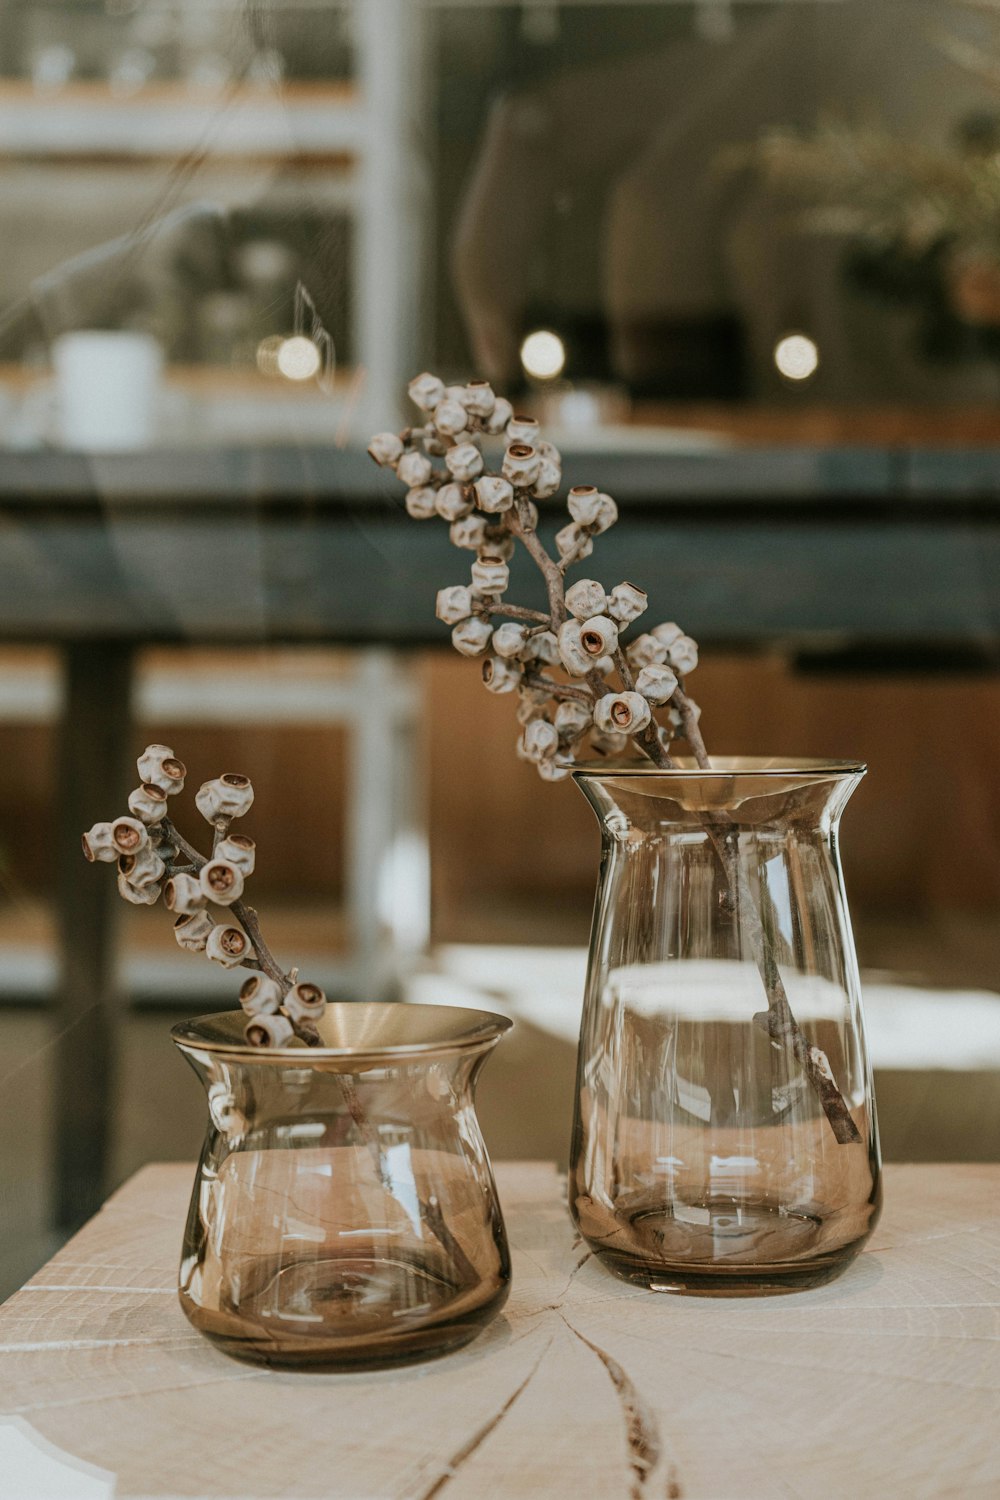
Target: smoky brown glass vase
pixel 344 1213
pixel 725 1138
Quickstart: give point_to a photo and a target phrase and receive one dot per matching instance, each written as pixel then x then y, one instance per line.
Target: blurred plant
pixel 605 692
pixel 155 859
pixel 926 219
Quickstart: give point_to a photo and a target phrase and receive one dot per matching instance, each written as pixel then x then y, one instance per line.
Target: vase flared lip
pixel 355 1030
pixel 721 766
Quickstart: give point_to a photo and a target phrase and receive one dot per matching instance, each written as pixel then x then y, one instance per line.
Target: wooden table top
pixel 883 1384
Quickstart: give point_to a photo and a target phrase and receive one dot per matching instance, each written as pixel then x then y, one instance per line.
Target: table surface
pixel 884 1383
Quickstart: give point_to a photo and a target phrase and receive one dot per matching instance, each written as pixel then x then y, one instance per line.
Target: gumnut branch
pixel 156 861
pixel 581 687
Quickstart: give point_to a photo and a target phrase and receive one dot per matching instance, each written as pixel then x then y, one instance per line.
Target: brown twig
pixel 565 690
pixel 517 518
pixel 514 612
pixel 778 1021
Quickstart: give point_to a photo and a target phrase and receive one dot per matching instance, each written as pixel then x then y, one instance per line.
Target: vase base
pixel 363 1314
pixel 704 1281
pixel 721 1248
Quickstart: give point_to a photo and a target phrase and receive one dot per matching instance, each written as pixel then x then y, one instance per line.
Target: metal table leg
pixel 95 747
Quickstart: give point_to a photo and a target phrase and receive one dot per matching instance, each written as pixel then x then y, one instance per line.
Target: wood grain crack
pixel 642 1430
pixel 468 1448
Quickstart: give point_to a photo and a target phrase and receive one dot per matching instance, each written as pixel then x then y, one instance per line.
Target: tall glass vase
pixel 725 1138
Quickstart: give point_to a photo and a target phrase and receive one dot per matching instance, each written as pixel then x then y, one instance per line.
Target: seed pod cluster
pixel 562 663
pixel 153 860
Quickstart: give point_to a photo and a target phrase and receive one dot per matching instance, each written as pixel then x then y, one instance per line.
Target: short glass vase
pixel 344 1213
pixel 725 1139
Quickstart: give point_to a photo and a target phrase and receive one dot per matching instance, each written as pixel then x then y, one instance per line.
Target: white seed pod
pixel 494 494
pixel 607 742
pixel 539 739
pixel 478 398
pixel 464 461
pixel 656 684
pixel 158 766
pixel 574 541
pixel 148 803
pixel 471 637
pixel 490 575
pixel 192 930
pixel 228 946
pixel 607 513
pixel 646 651
pixel 530 706
pixel 626 603
pixel 260 995
pixel 523 430
pixel 239 851
pixel 221 882
pixel 574 658
pixel 142 869
pixel 268 1031
pixel 414 469
pixel 599 636
pixel 556 768
pixel 451 417
pixel 183 894
pixel 605 665
pixel 468 533
pixel 683 654
pixel 386 448
pixel 454 393
pixel 572 719
pixel 138 895
pixel 628 713
pixel 421 503
pixel 547 451
pixel 584 504
pixel 129 835
pixel 521 465
pixel 99 844
pixel 542 646
pixel 425 391
pixel 304 1002
pixel 501 676
pixel 586 598
pixel 510 639
pixel 228 796
pixel 433 444
pixel 548 481
pixel 453 501
pixel 667 633
pixel 497 421
pixel 454 605
pixel 498 544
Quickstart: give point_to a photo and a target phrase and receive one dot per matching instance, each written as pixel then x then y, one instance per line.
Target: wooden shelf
pixel 166 119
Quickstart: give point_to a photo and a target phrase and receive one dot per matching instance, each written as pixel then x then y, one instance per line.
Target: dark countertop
pixel 812 548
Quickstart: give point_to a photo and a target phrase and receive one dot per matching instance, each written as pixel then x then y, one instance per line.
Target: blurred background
pixel 743 259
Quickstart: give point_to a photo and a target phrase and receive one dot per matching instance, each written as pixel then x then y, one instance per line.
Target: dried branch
pixel 582 635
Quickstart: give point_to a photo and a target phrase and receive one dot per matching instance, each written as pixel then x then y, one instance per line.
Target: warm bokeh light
pixel 796 357
pixel 543 354
pixel 298 358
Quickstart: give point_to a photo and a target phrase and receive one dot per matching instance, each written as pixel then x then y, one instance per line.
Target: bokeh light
pixel 543 354
pixel 298 358
pixel 796 356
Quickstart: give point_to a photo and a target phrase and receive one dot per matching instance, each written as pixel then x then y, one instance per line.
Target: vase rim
pixel 355 1030
pixel 721 766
